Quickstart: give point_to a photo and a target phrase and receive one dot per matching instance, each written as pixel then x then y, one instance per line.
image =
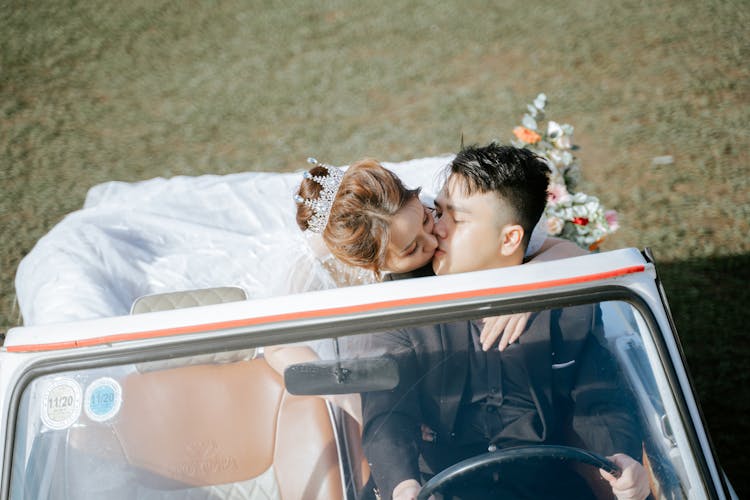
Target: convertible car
pixel 182 402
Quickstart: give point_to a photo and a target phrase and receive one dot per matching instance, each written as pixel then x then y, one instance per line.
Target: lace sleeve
pixel 538 237
pixel 346 275
pixel 309 266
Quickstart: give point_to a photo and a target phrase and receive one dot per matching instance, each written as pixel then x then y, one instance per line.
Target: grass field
pixel 97 91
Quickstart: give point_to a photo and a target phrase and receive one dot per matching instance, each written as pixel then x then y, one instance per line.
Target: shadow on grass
pixel 709 300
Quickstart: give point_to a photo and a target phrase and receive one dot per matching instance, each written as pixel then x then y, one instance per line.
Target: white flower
pixel 555 157
pixel 554 130
pixel 592 203
pixel 540 101
pixel 555 225
pixel 580 198
pixel 580 211
pixel 567 158
pixel 528 122
pixel 589 240
pixel 558 136
pixel 563 142
pixel 560 158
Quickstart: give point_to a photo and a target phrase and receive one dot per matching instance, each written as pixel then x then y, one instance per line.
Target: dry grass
pixel 98 91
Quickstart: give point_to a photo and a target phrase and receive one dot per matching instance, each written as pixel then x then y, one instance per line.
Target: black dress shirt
pixel 496 408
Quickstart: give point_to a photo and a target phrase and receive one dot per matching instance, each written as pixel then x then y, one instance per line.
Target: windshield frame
pixel 329 327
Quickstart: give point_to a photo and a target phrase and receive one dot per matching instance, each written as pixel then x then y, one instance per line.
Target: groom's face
pixel 468 230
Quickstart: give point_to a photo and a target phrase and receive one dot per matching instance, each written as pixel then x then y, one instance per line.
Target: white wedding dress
pixel 182 233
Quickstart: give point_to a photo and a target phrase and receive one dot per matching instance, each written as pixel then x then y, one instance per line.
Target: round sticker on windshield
pixel 103 399
pixel 61 405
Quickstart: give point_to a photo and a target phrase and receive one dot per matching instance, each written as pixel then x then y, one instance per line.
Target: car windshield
pixel 364 412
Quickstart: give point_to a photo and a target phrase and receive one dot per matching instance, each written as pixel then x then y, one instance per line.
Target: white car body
pixel 33 354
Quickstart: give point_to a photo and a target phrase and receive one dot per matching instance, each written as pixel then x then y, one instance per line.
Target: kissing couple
pixel 497 393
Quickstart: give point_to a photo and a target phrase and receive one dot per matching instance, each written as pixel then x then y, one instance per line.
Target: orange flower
pixel 595 245
pixel 527 135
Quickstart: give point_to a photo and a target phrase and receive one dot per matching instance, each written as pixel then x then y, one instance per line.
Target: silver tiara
pixel 321 206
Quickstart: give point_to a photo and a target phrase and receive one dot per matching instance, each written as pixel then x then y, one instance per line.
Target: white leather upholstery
pixel 191 298
pixel 187 298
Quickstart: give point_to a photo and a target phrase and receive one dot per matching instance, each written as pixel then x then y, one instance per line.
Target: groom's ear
pixel 511 237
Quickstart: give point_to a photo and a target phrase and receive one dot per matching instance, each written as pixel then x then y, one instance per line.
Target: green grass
pixel 98 91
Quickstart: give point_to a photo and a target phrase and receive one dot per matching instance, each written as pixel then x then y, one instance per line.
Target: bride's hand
pixel 510 326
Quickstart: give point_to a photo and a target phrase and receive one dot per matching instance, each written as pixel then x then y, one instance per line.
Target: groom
pixel 558 385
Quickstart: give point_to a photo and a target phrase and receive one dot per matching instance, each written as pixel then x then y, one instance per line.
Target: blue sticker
pixel 103 399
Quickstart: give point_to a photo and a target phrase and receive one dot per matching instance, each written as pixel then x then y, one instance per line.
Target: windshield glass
pixel 368 413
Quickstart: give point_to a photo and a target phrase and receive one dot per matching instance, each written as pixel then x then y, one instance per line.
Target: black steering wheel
pixel 515 454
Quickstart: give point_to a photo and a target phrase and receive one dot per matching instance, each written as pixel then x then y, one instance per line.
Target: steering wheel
pixel 515 454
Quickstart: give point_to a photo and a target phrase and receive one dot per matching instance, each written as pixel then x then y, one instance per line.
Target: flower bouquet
pixel 572 215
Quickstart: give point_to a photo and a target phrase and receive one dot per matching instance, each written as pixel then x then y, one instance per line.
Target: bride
pixel 183 233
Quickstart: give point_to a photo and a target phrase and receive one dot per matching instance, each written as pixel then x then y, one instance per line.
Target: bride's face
pixel 412 243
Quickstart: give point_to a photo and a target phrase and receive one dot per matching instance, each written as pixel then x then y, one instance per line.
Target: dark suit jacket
pixel 573 381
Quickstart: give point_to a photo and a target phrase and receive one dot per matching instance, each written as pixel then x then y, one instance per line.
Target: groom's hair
pixel 517 176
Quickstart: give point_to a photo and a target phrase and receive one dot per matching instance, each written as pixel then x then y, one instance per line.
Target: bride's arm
pixel 556 248
pixel 508 328
pixel 281 356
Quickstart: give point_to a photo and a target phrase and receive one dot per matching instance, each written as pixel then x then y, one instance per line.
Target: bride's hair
pixel 358 229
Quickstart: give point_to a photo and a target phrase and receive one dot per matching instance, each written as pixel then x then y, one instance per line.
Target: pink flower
pixel 611 217
pixel 557 193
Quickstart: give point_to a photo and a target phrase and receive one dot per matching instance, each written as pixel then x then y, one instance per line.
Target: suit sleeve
pixel 603 416
pixel 391 418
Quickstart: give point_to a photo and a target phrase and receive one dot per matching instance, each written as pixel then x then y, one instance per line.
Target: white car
pixel 183 404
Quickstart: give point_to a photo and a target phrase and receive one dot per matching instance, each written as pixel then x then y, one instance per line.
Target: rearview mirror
pixel 342 377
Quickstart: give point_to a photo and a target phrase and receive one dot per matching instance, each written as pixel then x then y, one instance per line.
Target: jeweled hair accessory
pixel 321 206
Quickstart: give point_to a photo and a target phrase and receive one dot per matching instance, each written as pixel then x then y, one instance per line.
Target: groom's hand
pixel 632 483
pixel 509 326
pixel 406 490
